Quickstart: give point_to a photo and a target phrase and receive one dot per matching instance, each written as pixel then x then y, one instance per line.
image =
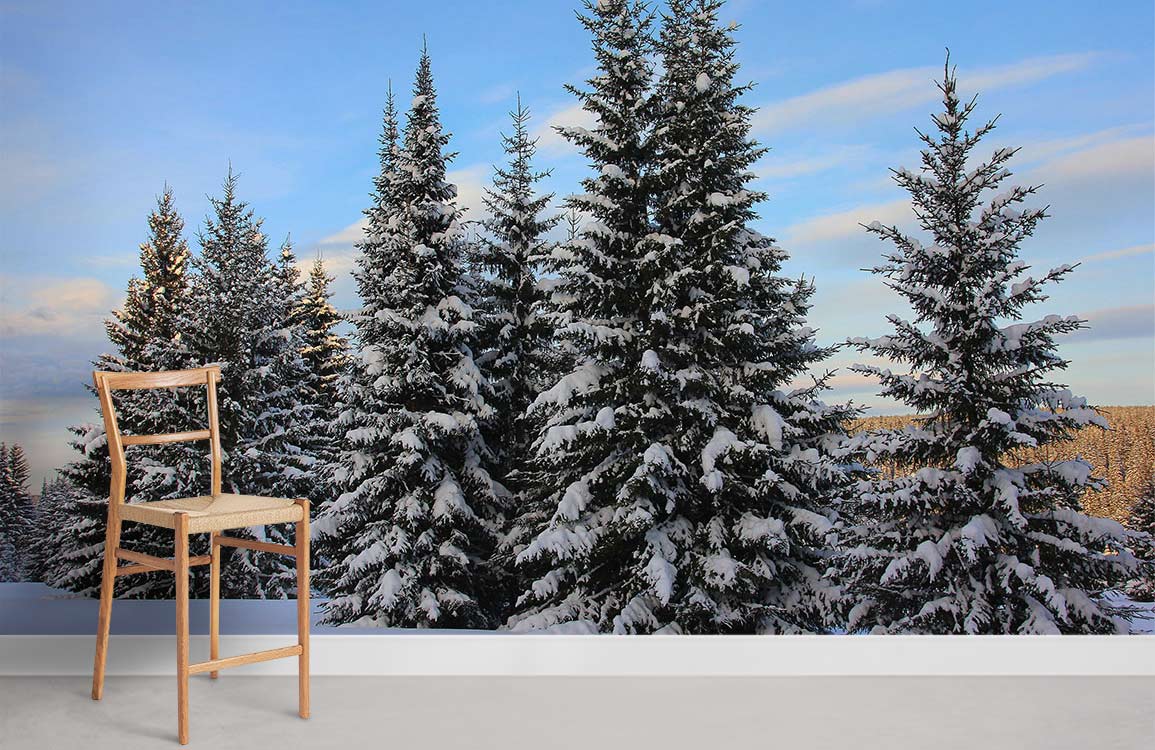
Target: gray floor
pixel 259 713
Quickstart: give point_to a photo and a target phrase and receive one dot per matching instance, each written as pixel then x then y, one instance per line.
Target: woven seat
pixel 214 513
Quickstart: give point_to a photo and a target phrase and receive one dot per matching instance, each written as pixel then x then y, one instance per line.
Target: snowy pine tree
pixel 408 540
pixel 16 515
pixel 518 354
pixel 684 479
pixel 146 330
pixel 76 538
pixel 595 305
pixel 43 521
pixel 326 357
pixel 965 542
pixel 515 337
pixel 146 336
pixel 242 316
pixel 1142 520
pixel 325 351
pixel 285 451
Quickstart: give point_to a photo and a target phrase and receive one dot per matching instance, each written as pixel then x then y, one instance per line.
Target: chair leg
pixel 104 619
pixel 302 545
pixel 214 601
pixel 181 571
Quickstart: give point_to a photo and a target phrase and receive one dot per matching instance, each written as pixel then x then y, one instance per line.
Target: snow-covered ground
pixel 1145 625
pixel 36 609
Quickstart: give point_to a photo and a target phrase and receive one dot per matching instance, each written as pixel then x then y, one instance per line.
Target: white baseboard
pixel 541 655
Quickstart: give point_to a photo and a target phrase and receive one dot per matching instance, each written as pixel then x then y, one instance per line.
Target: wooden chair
pixel 212 514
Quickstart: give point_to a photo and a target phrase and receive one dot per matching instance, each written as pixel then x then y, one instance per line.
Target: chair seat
pixel 217 513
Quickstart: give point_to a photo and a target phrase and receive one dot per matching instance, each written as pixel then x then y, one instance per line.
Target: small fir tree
pixel 325 350
pixel 965 542
pixel 516 340
pixel 43 521
pixel 514 335
pixel 408 539
pixel 16 515
pixel 326 358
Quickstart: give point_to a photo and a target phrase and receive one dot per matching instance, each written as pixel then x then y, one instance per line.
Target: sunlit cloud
pixel 842 224
pixel 1133 157
pixel 53 307
pixel 897 90
pixel 1125 252
pixel 774 167
pixel 1129 322
pixel 552 142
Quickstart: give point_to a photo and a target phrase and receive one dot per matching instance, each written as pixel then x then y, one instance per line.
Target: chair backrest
pixel 107 382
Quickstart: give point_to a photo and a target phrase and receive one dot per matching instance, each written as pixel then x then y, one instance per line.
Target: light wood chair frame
pixel 181 562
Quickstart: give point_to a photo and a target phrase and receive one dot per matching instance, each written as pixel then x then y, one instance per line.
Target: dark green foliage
pixel 964 543
pixel 407 543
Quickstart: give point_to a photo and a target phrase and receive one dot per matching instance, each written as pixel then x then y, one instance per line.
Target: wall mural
pixel 614 417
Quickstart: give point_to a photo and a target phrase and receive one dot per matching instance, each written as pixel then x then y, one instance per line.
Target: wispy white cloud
pixel 552 142
pixel 847 223
pixel 347 236
pixel 1034 151
pixel 893 91
pixel 1124 252
pixel 1127 157
pixel 1077 163
pixel 1128 322
pixel 471 182
pixel 774 167
pixel 54 307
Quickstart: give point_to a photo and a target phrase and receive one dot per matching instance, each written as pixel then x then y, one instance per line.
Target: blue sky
pixel 102 104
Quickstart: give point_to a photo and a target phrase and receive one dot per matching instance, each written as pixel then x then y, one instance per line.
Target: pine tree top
pixel 389 132
pixel 965 360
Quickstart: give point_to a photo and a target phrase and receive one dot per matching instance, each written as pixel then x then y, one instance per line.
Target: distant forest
pixel 1124 455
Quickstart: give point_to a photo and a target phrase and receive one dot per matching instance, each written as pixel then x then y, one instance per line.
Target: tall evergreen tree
pixel 964 542
pixel 595 312
pixel 685 485
pixel 146 335
pixel 281 438
pixel 514 334
pixel 242 316
pixel 518 355
pixel 517 352
pixel 407 541
pixel 146 330
pixel 730 336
